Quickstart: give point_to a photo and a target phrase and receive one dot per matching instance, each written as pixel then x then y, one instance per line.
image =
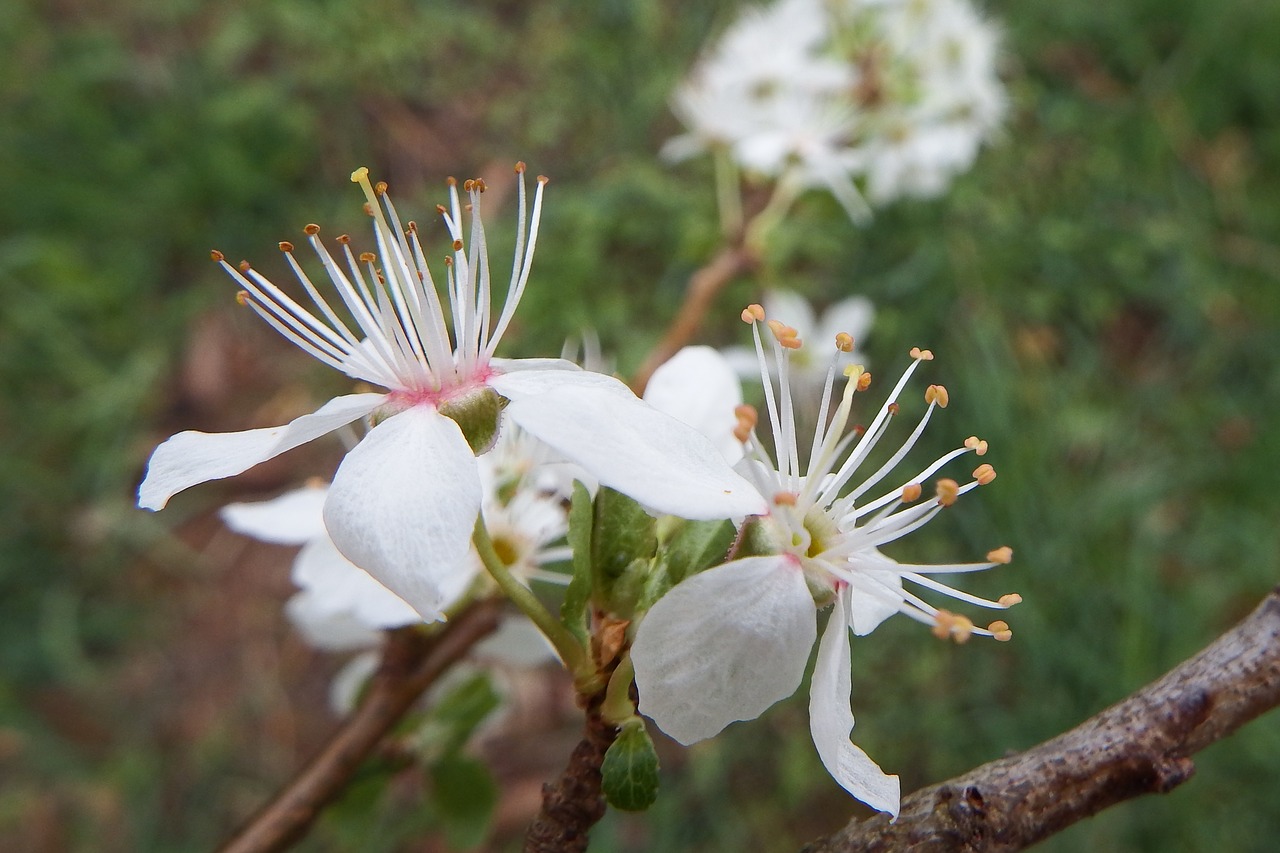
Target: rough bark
pixel 575 802
pixel 1143 744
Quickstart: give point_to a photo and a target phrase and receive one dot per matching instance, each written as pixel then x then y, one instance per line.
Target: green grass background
pixel 1102 290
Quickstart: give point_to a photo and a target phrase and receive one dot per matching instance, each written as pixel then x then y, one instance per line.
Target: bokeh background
pixel 1102 290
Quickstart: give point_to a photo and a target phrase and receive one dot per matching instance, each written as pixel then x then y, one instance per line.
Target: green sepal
pixel 464 794
pixel 629 774
pixel 573 610
pixel 624 540
pixel 756 539
pixel 687 547
pixel 478 414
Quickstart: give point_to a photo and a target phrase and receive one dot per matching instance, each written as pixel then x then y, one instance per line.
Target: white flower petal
pixel 403 504
pixel 517 642
pixel 194 457
pixel 831 720
pixel 596 421
pixel 723 646
pixel 515 365
pixel 326 629
pixel 853 315
pixel 698 387
pixel 345 688
pixel 794 310
pixel 294 518
pixel 339 586
pixel 875 596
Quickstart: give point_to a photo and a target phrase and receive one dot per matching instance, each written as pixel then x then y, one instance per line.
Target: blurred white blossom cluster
pixel 870 99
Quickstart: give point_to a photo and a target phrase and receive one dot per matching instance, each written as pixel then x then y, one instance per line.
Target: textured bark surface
pixel 1138 746
pixel 411 662
pixel 575 802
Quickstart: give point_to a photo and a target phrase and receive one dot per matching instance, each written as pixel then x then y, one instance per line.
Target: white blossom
pixel 727 643
pixel 405 499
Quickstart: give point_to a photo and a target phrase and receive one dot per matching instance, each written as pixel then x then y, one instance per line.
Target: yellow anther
pixel 911 493
pixel 450 181
pixel 440 208
pixel 948 492
pixel 864 381
pixel 948 625
pixel 544 180
pixel 286 246
pixel 242 297
pixel 1003 555
pixel 468 185
pixel 520 167
pixel 380 188
pixel 844 342
pixel 782 331
pixel 480 185
pixel 311 229
pixel 214 254
pixel 1009 599
pixel 344 239
pixel 360 175
pixel 367 257
pixel 790 343
pixel 785 498
pixel 984 474
pixel 921 354
pixel 747 418
pixel 753 313
pixel 976 444
pixel 245 266
pixel 937 394
pixel 1000 631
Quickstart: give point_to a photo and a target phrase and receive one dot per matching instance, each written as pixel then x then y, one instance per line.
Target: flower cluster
pixel 461 486
pixel 899 94
pixel 752 619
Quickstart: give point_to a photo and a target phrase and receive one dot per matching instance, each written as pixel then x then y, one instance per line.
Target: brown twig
pixel 411 662
pixel 732 260
pixel 1140 745
pixel 575 803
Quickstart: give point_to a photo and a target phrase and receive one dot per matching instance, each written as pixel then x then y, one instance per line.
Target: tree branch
pixel 575 803
pixel 411 662
pixel 703 286
pixel 1140 745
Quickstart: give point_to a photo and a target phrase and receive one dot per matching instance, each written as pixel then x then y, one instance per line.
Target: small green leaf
pixel 623 533
pixel 629 773
pixel 449 722
pixel 697 545
pixel 573 610
pixel 465 794
pixel 687 548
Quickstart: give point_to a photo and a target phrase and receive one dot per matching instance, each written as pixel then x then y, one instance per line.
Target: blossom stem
pixel 566 645
pixel 618 706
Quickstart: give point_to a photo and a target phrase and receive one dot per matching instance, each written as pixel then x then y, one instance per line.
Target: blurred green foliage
pixel 1101 292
